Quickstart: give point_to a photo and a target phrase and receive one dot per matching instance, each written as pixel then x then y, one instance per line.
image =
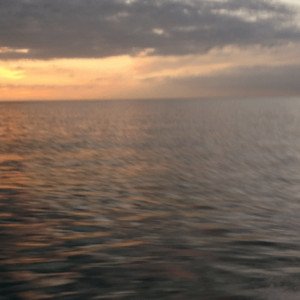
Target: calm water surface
pixel 150 200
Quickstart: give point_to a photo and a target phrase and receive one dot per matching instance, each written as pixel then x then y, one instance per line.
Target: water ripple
pixel 150 200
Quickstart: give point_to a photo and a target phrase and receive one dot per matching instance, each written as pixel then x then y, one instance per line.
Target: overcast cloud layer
pixel 100 28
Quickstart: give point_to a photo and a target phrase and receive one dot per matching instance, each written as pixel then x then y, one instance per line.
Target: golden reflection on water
pixel 148 200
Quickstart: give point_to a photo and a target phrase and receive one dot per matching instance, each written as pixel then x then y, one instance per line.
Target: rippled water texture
pixel 150 200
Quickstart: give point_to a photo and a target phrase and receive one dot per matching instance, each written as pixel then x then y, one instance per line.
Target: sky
pixel 123 49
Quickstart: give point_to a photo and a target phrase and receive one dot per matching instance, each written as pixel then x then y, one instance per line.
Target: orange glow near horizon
pixel 126 76
pixel 11 74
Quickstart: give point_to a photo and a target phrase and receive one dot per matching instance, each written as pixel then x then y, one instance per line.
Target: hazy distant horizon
pixel 242 98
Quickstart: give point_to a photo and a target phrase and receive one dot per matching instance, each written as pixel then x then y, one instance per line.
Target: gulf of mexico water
pixel 179 199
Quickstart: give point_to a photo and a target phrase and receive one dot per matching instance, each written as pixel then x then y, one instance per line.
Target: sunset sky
pixel 114 49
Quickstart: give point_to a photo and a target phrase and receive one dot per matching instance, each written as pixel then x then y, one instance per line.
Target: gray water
pixel 150 200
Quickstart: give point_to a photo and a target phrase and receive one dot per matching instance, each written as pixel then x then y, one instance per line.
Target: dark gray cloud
pixel 261 80
pixel 99 28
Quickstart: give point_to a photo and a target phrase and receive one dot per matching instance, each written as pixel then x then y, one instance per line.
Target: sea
pixel 150 199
